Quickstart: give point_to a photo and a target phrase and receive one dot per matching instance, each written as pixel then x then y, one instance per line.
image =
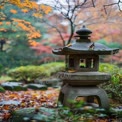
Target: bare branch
pixel 70 11
pixel 93 3
pixel 58 30
pixel 115 3
pixel 84 21
pixel 60 34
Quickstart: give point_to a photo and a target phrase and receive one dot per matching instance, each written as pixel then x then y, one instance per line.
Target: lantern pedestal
pixel 69 93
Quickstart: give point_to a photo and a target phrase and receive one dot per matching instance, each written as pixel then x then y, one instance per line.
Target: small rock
pixel 52 82
pixel 37 86
pixel 14 86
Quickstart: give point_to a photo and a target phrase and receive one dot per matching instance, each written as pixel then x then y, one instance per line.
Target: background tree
pixel 66 17
pixel 102 17
pixel 21 33
pixel 13 20
pixel 74 13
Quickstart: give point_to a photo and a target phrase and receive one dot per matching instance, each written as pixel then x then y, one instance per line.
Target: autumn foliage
pixel 27 5
pixel 26 26
pixel 26 99
pixel 17 24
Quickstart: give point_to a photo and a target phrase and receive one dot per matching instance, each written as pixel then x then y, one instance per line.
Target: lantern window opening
pixel 87 63
pixel 92 63
pixel 82 63
pixel 92 99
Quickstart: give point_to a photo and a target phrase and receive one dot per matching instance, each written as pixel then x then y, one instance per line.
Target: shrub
pixel 30 73
pixel 2 89
pixel 114 70
pixel 114 86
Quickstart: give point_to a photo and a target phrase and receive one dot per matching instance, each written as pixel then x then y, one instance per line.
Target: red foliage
pixel 117 58
pixel 57 39
pixel 40 49
pixel 105 31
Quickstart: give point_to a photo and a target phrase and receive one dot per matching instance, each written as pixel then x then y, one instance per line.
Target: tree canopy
pixel 70 15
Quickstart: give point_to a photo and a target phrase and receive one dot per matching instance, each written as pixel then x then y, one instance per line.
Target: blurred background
pixel 30 30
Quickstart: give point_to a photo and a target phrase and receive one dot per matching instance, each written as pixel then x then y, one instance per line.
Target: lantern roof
pixel 83 45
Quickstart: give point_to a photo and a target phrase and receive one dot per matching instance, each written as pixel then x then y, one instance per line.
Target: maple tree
pixel 109 32
pixel 16 26
pixel 76 13
pixel 26 6
pixel 19 3
pixel 70 15
pixel 20 25
pixel 39 10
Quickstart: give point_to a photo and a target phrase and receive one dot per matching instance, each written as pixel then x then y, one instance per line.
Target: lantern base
pixel 69 93
pixel 84 78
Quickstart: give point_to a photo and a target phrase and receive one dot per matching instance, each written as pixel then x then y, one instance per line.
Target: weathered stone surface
pixel 84 78
pixel 14 86
pixel 37 86
pixel 52 82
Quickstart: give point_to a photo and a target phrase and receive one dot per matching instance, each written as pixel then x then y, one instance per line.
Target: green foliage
pixel 12 29
pixel 114 70
pixel 2 89
pixel 117 113
pixel 114 86
pixel 16 51
pixel 17 54
pixel 30 73
pixel 110 44
pixel 65 114
pixel 1 68
pixel 114 91
pixel 4 78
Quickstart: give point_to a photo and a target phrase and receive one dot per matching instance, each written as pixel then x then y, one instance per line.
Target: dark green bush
pixel 30 73
pixel 114 86
pixel 2 89
pixel 114 70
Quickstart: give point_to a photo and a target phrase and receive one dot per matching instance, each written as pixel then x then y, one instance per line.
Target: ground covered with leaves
pixel 41 106
pixel 14 100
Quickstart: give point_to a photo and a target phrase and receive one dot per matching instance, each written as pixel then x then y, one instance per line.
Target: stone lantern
pixel 82 76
